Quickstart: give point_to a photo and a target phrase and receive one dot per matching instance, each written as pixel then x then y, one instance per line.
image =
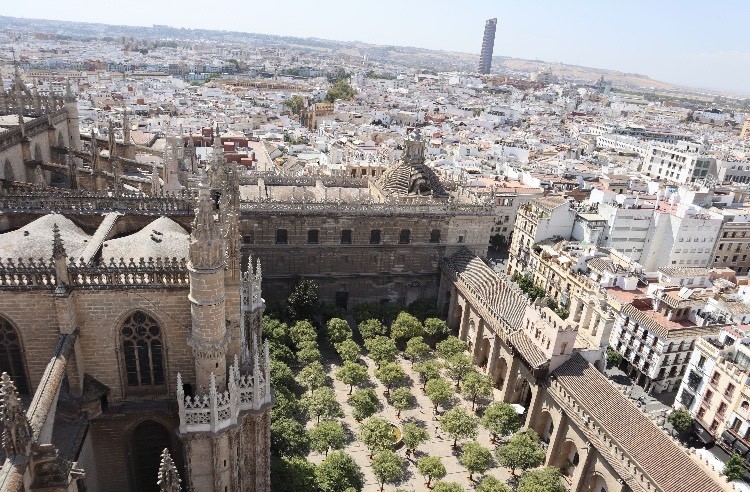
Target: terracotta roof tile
pixel 668 466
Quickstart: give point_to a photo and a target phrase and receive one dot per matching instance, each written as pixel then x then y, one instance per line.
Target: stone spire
pixel 94 151
pixel 18 83
pixel 69 97
pixel 155 183
pixel 111 139
pixel 60 259
pixel 215 171
pixel 168 477
pixel 39 177
pixel 17 433
pixel 251 304
pixel 125 128
pixel 207 244
pixel 190 154
pixel 117 172
pixel 58 248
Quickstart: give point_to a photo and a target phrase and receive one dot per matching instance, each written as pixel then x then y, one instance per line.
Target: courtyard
pixel 420 411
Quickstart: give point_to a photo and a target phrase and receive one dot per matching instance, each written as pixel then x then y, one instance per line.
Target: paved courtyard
pixel 439 444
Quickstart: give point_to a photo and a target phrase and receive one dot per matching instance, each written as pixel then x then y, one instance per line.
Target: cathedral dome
pixel 411 177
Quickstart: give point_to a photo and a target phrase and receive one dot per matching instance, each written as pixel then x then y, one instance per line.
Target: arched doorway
pixel 544 426
pixel 524 392
pixel 569 458
pixel 469 335
pixel 484 353
pixel 458 316
pixel 599 484
pixel 148 441
pixel 500 373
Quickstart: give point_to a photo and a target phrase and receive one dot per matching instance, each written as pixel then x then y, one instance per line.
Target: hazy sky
pixel 697 43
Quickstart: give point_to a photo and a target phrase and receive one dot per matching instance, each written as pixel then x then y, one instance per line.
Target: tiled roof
pixel 528 349
pixel 685 272
pixel 550 203
pixel 661 326
pixel 499 294
pixel 668 466
pixel 602 264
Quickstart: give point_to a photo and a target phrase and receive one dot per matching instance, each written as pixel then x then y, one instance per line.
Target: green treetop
pixel 382 349
pixel 364 403
pixel 439 391
pixel 523 451
pixel 501 419
pixel 387 468
pixel 476 386
pixel 326 436
pixel 450 347
pixel 337 330
pixel 541 480
pixel 430 467
pixel 339 472
pixel 377 434
pixel 352 373
pixel 348 350
pixel 402 399
pixel 459 424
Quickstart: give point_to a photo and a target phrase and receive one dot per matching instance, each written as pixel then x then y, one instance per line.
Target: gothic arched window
pixel 11 356
pixel 143 350
pixel 8 171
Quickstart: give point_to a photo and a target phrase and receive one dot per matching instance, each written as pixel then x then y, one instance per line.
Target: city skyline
pixel 677 42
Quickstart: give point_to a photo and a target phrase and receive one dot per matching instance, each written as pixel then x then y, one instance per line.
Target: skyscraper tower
pixel 488 43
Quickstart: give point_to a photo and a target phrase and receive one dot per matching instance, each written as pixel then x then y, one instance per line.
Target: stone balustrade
pixel 219 410
pixel 32 200
pixel 362 207
pixel 31 274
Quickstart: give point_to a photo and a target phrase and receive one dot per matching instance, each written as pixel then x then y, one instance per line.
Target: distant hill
pixel 413 57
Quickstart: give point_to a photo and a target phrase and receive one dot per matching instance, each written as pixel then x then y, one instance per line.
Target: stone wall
pixel 367 272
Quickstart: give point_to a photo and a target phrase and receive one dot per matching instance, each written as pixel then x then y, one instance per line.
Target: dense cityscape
pixel 246 262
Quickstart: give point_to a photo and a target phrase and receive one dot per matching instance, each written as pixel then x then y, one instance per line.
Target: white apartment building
pixel 682 163
pixel 622 143
pixel 627 227
pixel 714 385
pixel 734 172
pixel 682 236
pixel 543 218
pixel 656 337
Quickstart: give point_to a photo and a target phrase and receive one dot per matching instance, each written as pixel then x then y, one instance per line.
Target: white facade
pixel 682 239
pixel 681 163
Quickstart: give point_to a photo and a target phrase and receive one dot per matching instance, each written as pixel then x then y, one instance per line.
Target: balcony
pixel 694 381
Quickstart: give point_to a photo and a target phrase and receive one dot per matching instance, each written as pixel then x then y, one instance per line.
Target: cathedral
pixel 131 339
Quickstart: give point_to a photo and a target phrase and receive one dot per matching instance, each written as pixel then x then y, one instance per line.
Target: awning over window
pixel 741 447
pixel 703 434
pixel 728 437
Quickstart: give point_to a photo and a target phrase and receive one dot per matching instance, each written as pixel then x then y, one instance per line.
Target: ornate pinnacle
pixel 204 214
pixel 58 248
pixel 68 91
pixel 169 477
pixel 39 177
pixel 17 433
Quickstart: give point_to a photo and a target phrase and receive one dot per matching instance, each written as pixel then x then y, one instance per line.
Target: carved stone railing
pixel 363 207
pixel 31 274
pixel 219 410
pixel 78 202
pixel 27 274
pixel 151 273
